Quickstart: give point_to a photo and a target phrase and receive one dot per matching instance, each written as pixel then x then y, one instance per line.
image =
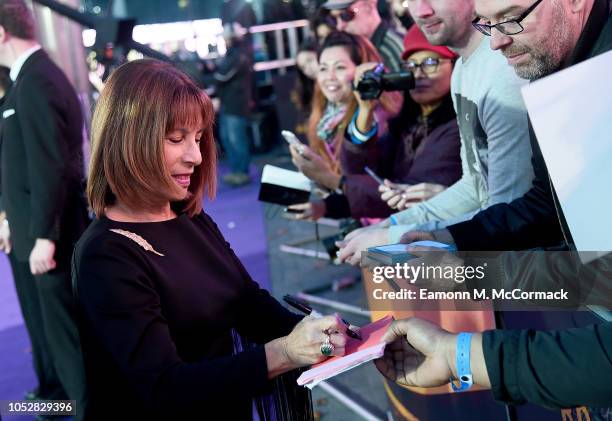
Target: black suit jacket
pixel 41 159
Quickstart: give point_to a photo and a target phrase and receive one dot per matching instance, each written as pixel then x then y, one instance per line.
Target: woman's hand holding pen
pixel 303 344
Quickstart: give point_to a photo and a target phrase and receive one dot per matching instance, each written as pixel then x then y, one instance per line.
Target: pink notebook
pixel 357 353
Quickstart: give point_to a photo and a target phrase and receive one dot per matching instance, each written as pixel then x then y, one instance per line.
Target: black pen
pixel 306 309
pixel 372 174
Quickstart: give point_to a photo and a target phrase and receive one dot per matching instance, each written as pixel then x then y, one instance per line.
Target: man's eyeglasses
pixel 509 27
pixel 428 66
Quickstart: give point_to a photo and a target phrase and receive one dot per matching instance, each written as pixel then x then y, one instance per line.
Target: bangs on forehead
pixel 188 109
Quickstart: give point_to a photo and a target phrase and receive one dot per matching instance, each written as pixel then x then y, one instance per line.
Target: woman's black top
pixel 158 304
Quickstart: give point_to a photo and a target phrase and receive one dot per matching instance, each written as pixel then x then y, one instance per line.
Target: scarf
pixel 327 125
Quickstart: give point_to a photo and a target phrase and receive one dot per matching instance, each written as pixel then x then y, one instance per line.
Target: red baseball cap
pixel 416 41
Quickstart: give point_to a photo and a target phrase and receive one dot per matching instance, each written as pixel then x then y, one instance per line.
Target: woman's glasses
pixel 428 66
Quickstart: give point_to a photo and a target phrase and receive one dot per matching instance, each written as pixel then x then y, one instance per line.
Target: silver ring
pixel 327 348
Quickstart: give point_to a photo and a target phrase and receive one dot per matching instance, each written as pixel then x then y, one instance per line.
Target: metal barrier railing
pixel 285 35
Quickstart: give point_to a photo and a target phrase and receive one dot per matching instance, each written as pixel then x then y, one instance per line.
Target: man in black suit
pixel 42 199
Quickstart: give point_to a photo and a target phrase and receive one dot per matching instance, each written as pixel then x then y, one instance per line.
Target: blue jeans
pixel 234 134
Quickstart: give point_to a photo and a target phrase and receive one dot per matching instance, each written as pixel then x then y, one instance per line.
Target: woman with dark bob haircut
pixel 172 326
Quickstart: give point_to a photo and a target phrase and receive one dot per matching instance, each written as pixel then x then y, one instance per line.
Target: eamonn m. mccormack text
pixel 476 294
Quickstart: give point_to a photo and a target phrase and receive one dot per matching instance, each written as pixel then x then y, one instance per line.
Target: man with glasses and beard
pixel 361 17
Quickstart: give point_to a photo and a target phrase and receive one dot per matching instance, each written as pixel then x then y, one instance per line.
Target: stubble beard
pixel 548 56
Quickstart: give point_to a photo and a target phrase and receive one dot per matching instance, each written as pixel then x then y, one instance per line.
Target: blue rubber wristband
pixel 464 371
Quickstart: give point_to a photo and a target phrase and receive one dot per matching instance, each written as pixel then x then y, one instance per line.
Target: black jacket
pixel 41 159
pixel 562 368
pixel 556 369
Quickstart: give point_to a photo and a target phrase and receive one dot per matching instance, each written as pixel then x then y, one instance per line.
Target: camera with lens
pixel 375 82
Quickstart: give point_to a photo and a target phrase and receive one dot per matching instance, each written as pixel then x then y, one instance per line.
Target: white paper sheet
pixel 571 113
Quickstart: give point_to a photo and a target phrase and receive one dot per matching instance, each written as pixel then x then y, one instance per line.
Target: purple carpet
pixel 238 215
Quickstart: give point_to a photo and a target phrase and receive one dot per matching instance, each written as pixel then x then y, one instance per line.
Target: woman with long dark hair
pixel 342 58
